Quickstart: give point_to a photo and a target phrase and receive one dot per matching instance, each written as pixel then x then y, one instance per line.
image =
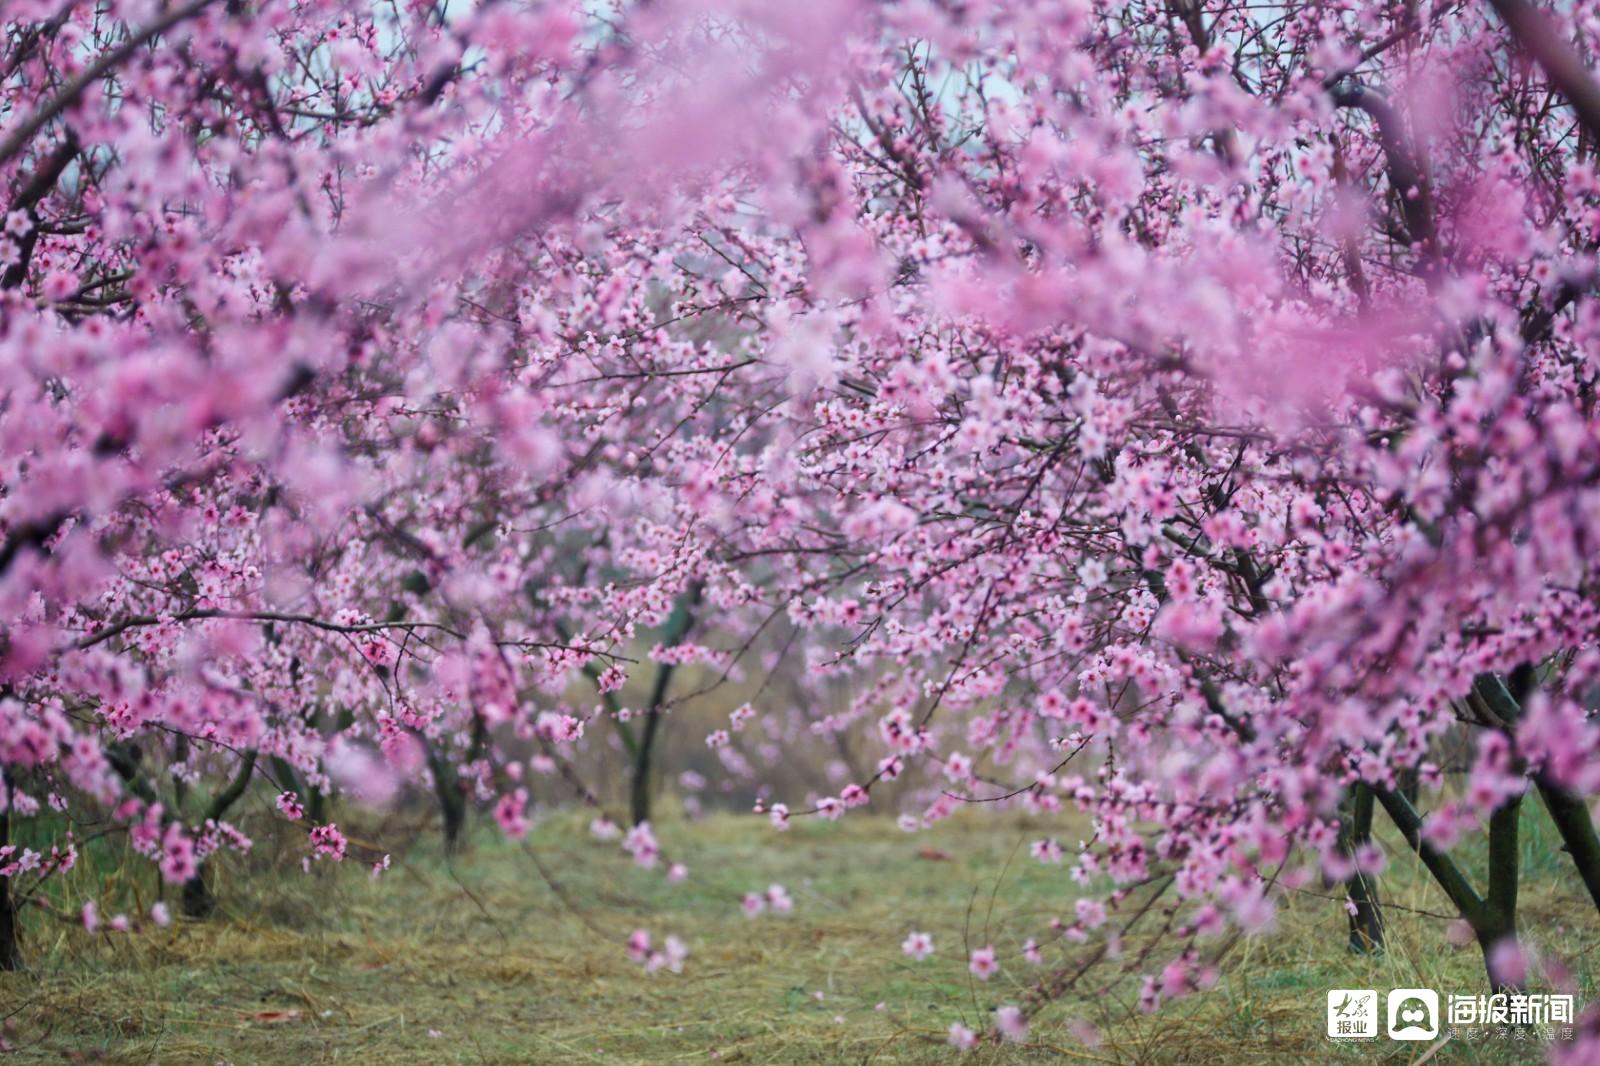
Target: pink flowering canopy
pixel 1181 414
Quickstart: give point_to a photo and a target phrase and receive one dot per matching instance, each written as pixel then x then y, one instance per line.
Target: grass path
pixel 499 958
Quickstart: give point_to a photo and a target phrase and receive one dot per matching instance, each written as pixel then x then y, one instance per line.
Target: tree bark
pixel 1499 922
pixel 1573 821
pixel 1564 67
pixel 10 935
pixel 1366 924
pixel 198 901
pixel 452 807
pixel 677 627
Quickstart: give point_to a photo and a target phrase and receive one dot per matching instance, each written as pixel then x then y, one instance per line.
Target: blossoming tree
pixel 1180 412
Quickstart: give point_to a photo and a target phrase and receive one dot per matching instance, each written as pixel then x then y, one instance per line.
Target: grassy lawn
pixel 517 955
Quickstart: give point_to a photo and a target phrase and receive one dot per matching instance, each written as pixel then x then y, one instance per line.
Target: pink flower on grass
pixel 670 957
pixel 983 964
pixel 918 945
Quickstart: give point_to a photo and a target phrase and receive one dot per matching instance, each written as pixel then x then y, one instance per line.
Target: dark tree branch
pixel 1565 68
pixel 69 94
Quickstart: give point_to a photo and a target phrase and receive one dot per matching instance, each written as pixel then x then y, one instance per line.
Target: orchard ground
pixel 496 958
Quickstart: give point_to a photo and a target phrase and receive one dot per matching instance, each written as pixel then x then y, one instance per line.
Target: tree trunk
pixel 1499 919
pixel 639 806
pixel 453 818
pixel 197 900
pixel 10 947
pixel 1410 785
pixel 1493 919
pixel 1575 824
pixel 452 806
pixel 1366 924
pixel 677 627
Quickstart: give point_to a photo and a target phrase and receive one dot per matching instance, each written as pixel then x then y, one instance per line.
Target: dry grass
pixel 490 960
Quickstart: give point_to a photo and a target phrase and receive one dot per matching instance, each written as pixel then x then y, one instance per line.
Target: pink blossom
pixel 983 964
pixel 509 812
pixel 671 956
pixel 1046 851
pixel 1012 1024
pixel 178 860
pixel 1508 961
pixel 327 842
pixel 640 842
pixel 918 945
pixel 289 804
pixel 59 285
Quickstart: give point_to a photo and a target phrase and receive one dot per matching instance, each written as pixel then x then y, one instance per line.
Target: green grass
pixel 510 960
